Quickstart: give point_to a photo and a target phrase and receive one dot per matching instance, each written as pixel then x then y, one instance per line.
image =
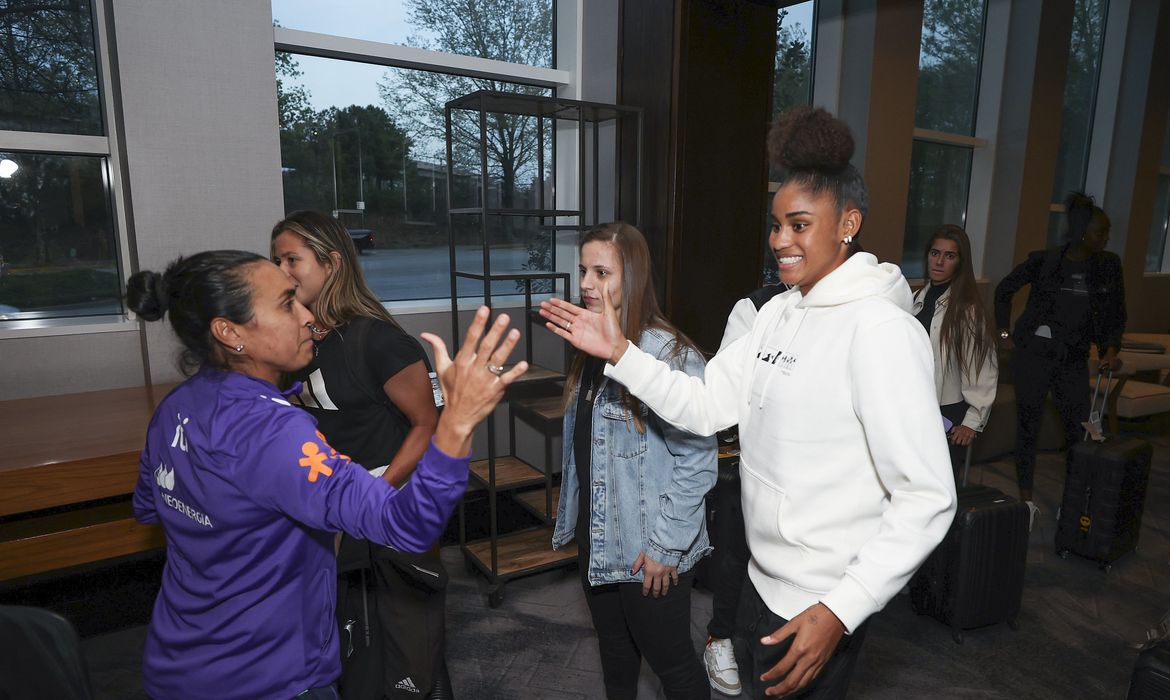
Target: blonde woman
pixel 369 389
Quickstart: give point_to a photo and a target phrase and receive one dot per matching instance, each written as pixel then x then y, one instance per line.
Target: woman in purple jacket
pixel 249 494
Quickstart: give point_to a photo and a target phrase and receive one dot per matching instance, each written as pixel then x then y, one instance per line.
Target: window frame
pixel 1102 113
pixel 1164 216
pixel 814 38
pixel 989 73
pixel 108 147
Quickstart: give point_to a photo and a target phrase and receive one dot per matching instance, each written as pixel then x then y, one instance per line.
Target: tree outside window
pixel 380 160
pixel 58 251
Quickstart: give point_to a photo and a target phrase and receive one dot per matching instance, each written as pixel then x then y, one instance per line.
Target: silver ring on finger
pixel 495 369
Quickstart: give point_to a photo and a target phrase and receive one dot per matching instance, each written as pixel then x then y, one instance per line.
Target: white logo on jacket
pixel 165 478
pixel 180 439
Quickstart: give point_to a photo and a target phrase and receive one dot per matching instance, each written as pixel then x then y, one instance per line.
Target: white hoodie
pixel 846 477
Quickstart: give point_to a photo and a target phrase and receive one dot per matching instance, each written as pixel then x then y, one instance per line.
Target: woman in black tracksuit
pixel 1077 299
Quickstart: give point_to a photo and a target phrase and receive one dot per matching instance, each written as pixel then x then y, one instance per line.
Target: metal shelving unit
pixel 535 400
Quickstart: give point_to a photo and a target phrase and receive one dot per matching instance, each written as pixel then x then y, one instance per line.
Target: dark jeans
pixel 1037 369
pixel 754 659
pixel 729 561
pixel 327 692
pixel 630 626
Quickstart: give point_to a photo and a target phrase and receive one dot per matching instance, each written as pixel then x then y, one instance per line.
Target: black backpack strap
pixel 764 294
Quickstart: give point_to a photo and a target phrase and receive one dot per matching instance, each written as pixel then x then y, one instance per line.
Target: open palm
pixel 598 334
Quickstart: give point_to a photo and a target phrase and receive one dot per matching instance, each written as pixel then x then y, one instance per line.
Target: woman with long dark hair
pixel 949 308
pixel 1077 299
pixel 845 482
pixel 249 493
pixel 368 387
pixel 633 485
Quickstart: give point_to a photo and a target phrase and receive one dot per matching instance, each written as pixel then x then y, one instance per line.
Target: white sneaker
pixel 719 659
pixel 1033 511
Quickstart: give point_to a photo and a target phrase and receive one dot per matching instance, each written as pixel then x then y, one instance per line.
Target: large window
pixel 517 31
pixel 1080 103
pixel 1156 258
pixel 58 251
pixel 949 65
pixel 365 139
pixel 792 82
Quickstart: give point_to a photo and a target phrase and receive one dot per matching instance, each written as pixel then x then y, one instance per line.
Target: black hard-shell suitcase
pixel 975 577
pixel 1151 674
pixel 1104 495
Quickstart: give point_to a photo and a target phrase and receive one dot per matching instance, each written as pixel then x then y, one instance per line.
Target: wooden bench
pixel 67 467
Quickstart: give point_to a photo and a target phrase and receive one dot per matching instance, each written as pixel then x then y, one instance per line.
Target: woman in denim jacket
pixel 633 486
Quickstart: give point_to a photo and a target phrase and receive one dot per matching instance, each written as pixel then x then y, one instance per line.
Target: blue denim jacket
pixel 648 488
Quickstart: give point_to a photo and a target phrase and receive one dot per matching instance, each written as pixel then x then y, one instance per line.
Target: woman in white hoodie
pixel 949 308
pixel 844 466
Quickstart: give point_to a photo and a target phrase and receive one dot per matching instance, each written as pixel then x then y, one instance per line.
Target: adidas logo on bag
pixel 406 684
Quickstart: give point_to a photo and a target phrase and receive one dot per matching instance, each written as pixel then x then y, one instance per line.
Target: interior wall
pixel 202 153
pixel 723 105
pixel 201 134
pixel 889 125
pixel 702 72
pixel 646 79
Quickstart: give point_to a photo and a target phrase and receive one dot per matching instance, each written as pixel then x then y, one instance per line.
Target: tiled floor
pixel 1073 638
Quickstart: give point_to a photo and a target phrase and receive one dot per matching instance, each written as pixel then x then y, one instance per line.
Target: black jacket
pixel 1042 270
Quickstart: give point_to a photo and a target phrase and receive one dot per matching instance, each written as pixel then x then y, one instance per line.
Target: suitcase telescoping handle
pixel 1095 413
pixel 967 462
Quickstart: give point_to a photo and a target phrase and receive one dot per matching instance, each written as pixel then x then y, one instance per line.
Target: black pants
pixel 729 561
pixel 630 626
pixel 755 620
pixel 1037 369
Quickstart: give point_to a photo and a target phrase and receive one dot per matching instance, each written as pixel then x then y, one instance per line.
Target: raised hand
pixel 474 381
pixel 598 334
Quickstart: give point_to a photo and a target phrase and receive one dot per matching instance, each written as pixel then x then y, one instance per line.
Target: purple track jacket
pixel 249 495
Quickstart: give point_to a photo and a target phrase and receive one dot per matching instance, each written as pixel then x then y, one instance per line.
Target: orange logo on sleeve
pixel 314 460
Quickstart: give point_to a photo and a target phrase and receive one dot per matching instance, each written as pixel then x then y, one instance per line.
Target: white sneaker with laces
pixel 722 671
pixel 1033 511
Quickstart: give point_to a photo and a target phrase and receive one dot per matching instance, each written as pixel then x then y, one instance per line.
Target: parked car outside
pixel 363 238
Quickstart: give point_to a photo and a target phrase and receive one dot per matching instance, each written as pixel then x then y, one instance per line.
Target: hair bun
pixel 146 295
pixel 809 138
pixel 1078 201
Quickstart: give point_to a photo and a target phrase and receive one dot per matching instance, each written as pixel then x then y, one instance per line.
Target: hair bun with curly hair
pixel 809 138
pixel 146 295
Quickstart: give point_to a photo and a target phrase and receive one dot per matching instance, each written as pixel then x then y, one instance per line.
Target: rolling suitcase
pixel 1151 674
pixel 1104 494
pixel 975 577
